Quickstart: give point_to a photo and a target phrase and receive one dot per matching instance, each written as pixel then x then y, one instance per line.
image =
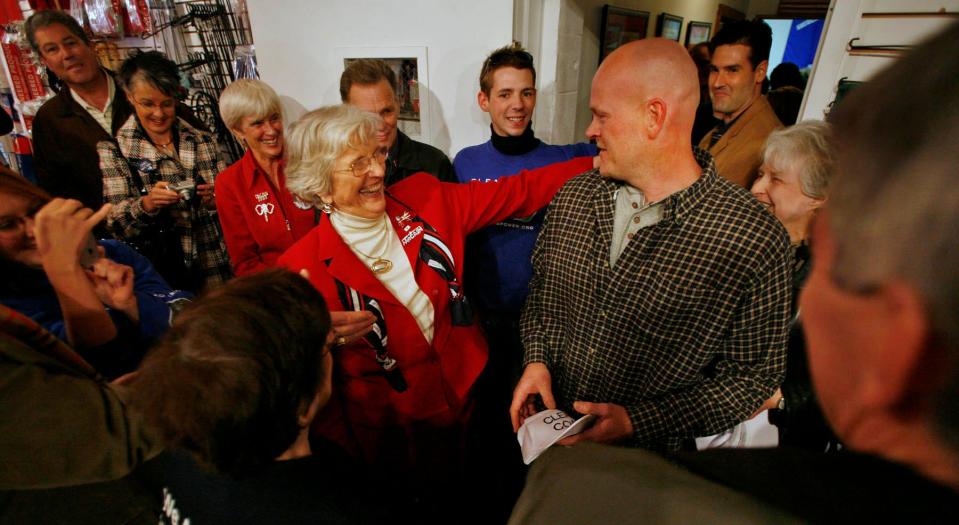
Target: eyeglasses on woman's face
pixel 362 165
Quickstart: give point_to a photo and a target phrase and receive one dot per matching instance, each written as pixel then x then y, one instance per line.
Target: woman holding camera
pixel 159 177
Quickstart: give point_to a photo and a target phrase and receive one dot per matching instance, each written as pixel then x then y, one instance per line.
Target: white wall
pixel 845 21
pixel 552 31
pixel 296 43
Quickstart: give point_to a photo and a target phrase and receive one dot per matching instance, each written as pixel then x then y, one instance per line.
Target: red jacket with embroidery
pixel 440 374
pixel 259 221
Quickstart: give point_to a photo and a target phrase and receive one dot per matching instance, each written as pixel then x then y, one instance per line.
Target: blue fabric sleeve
pixel 153 294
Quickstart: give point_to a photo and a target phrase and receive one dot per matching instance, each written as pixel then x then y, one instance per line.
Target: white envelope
pixel 542 429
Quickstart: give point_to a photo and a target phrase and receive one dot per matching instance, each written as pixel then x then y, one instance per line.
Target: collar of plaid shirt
pixel 678 206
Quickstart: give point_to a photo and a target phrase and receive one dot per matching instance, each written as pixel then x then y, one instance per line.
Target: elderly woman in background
pixel 159 177
pixel 259 216
pixel 108 303
pixel 402 392
pixel 793 183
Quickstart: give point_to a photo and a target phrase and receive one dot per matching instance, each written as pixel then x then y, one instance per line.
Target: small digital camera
pixel 186 189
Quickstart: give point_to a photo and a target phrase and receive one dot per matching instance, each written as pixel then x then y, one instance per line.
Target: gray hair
pixel 894 207
pixel 48 17
pixel 247 98
pixel 808 148
pixel 316 140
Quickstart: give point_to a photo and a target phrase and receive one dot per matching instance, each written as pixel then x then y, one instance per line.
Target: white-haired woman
pixel 402 391
pixel 259 216
pixel 793 183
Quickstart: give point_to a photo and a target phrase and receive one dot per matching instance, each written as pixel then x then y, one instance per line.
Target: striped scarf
pixel 437 255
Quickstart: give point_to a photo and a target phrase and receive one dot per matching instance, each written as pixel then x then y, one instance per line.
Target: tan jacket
pixel 738 153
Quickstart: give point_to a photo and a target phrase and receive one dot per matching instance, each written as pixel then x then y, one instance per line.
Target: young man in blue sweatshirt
pixel 498 257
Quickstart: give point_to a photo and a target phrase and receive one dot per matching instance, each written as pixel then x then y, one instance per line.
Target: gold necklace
pixel 379 264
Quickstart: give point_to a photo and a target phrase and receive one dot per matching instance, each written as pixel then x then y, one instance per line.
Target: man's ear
pixel 655 112
pixel 483 100
pixel 905 365
pixel 760 71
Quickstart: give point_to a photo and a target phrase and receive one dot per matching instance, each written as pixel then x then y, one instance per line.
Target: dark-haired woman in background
pixel 235 385
pixel 159 177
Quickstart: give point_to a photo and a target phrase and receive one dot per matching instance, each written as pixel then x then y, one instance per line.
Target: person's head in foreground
pixel 798 163
pixel 882 301
pixel 241 373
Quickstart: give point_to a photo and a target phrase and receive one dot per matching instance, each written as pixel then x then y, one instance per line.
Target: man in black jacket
pixel 370 84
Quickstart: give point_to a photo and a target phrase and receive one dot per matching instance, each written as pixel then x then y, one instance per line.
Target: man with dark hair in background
pixel 881 313
pixel 370 84
pixel 738 62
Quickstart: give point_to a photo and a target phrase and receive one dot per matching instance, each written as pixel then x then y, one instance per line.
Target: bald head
pixel 656 68
pixel 643 100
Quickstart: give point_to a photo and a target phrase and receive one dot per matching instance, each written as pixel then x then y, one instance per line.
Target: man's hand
pixel 113 284
pixel 612 423
pixel 771 403
pixel 535 380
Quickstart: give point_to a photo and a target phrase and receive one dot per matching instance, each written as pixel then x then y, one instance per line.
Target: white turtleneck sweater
pixel 377 238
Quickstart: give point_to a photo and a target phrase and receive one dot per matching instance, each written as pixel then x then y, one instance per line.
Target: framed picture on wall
pixel 670 26
pixel 697 32
pixel 621 26
pixel 412 91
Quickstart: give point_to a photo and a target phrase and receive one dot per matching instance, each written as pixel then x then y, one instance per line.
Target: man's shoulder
pixel 732 212
pixel 423 151
pixel 52 109
pixel 590 483
pixel 843 487
pixel 581 187
pixel 470 152
pixel 579 149
pixel 762 119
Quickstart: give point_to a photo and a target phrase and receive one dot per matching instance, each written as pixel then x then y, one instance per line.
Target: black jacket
pixel 65 140
pixel 408 157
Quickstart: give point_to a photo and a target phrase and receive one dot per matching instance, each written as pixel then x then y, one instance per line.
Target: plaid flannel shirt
pixel 687 331
pixel 199 160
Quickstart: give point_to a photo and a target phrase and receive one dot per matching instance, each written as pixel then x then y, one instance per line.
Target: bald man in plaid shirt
pixel 660 296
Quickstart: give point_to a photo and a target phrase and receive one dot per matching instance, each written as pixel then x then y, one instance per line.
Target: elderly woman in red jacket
pixel 402 391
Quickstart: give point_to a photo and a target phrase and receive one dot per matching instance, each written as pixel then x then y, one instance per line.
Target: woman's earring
pixel 326 207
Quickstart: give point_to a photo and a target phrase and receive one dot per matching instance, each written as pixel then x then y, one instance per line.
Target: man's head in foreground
pixel 881 307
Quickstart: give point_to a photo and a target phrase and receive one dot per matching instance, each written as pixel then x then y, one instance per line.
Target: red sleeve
pixel 480 204
pixel 240 244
